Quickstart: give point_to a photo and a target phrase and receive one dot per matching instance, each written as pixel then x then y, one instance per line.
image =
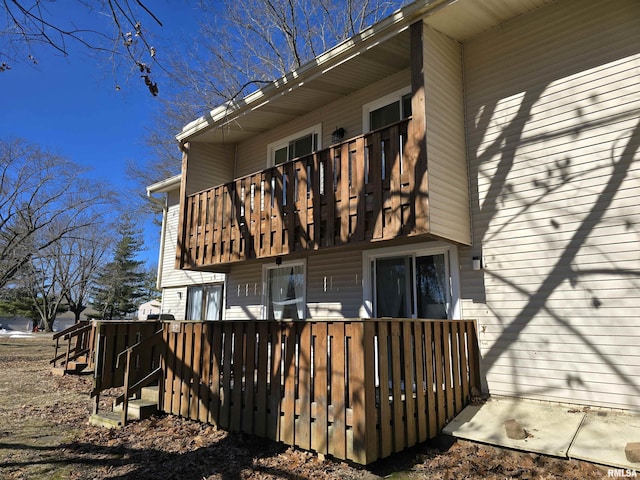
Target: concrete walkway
pixel 594 435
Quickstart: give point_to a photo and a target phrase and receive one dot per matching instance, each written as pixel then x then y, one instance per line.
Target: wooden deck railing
pixel 358 390
pixel 367 188
pixel 78 341
pixel 113 337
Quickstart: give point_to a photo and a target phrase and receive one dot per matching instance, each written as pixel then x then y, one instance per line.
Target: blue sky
pixel 69 105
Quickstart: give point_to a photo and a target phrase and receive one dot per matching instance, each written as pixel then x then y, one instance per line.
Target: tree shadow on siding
pixel 507 150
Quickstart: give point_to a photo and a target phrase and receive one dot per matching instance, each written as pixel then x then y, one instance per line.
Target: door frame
pixel 417 249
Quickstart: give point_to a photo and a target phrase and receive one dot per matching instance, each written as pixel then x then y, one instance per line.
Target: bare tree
pixel 40 277
pixel 42 200
pixel 80 260
pixel 59 277
pixel 29 28
pixel 248 43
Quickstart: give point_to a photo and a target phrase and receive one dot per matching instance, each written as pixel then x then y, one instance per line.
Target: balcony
pixel 368 188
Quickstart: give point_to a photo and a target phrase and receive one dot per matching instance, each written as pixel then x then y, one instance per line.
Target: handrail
pixel 111 338
pixel 79 353
pixel 70 329
pixel 68 335
pixel 136 346
pixel 135 388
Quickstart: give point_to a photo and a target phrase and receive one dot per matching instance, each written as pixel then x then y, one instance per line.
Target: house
pixel 151 307
pixel 446 201
pixel 460 159
pixel 185 294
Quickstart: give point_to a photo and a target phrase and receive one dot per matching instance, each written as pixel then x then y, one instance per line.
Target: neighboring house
pixel 63 321
pixel 185 295
pixel 149 308
pixel 467 159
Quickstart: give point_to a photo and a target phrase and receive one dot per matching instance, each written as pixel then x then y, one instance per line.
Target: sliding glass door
pixel 412 285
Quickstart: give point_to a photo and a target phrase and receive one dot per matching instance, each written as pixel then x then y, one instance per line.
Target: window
pixel 285 291
pixel 405 282
pixel 389 109
pixel 204 302
pixel 294 146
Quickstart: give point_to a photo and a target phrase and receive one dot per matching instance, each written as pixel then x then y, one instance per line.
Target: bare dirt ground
pixel 44 434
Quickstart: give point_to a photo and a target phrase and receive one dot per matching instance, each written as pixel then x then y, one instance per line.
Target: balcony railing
pixel 365 189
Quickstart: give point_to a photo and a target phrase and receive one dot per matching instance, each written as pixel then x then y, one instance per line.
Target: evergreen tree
pixel 121 284
pixel 17 302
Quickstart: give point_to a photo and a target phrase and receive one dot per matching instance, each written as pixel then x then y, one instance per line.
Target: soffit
pixel 354 68
pixel 302 97
pixel 465 19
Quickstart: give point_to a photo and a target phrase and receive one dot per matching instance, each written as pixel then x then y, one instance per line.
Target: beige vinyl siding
pixel 171 277
pixel 334 288
pixel 209 165
pixel 243 299
pixel 446 155
pixel 174 301
pixel 553 108
pixel 345 113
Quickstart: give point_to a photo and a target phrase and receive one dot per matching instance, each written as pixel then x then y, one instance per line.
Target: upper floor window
pixel 297 145
pixel 387 110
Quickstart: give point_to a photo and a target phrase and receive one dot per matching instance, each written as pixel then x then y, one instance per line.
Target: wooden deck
pixel 365 189
pixel 357 390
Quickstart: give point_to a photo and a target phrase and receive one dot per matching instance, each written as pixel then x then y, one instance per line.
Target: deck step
pixel 73 367
pixel 106 419
pixel 151 393
pixel 76 366
pixel 58 371
pixel 139 409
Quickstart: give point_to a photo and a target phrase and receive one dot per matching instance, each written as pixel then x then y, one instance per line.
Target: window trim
pixel 265 290
pixel 416 250
pixel 284 142
pixel 367 108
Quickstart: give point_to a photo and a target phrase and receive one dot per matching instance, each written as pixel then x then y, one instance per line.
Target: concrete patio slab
pixel 603 436
pixel 550 428
pixel 594 435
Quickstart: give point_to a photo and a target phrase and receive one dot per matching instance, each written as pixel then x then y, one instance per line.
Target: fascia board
pixel 165 185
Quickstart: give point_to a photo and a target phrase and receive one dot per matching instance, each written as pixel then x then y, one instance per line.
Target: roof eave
pixel 387 27
pixel 166 185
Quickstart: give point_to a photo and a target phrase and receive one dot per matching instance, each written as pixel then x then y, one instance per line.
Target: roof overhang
pixel 164 186
pixel 373 54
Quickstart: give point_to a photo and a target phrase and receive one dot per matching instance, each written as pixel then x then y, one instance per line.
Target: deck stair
pixel 137 409
pixel 77 366
pixel 135 370
pixel 74 350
